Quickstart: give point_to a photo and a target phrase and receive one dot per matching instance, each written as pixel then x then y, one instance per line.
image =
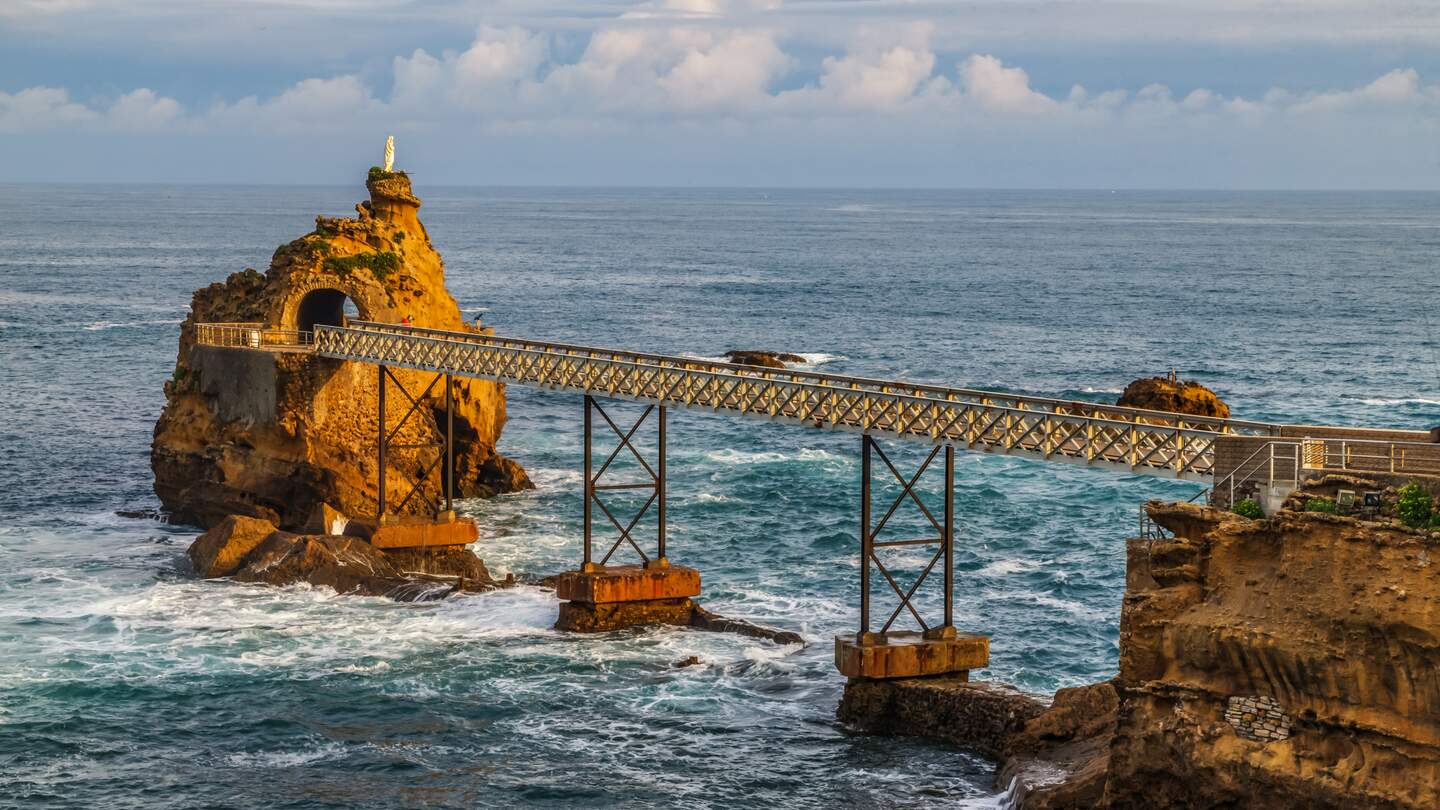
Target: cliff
pixel 1287 662
pixel 272 434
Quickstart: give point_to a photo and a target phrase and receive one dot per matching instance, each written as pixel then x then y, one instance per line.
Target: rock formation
pixel 272 434
pixel 254 550
pixel 746 357
pixel 1287 662
pixel 1173 395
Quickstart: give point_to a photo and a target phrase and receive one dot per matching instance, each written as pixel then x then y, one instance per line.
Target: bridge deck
pixel 1149 442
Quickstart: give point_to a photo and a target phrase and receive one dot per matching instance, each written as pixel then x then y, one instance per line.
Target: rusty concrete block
pixel 584 617
pixel 628 583
pixel 425 534
pixel 910 655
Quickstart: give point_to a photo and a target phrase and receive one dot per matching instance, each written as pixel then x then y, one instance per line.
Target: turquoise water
pixel 124 682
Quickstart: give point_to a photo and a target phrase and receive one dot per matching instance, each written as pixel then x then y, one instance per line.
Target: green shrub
pixel 1414 506
pixel 377 173
pixel 1325 505
pixel 1248 508
pixel 1435 522
pixel 381 264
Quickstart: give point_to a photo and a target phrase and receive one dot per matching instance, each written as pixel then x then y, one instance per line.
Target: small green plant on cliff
pixel 1249 508
pixel 1325 505
pixel 381 264
pixel 377 174
pixel 1414 506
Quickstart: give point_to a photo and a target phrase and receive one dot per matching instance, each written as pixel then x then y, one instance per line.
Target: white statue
pixel 390 153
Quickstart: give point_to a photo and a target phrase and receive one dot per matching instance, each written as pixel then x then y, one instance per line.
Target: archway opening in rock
pixel 324 307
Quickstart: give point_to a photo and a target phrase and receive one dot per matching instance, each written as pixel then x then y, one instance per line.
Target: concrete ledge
pixel 910 655
pixel 628 583
pixel 427 534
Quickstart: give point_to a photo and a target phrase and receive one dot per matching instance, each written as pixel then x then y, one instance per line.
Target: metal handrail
pixel 251 335
pixel 1394 457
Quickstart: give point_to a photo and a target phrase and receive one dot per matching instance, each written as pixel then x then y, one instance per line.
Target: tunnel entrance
pixel 324 307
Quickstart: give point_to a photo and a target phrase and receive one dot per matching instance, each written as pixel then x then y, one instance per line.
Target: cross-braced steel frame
pixel 870 542
pixel 445 447
pixel 593 487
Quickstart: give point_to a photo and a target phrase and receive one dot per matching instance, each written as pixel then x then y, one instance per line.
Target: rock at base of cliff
pixel 349 565
pixel 1173 395
pixel 979 717
pixel 583 617
pixel 220 551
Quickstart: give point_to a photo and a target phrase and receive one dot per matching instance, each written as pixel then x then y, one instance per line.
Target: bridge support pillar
pixel 434 524
pixel 935 649
pixel 601 596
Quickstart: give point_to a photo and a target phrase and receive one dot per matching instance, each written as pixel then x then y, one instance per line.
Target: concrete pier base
pixel 910 655
pixel 419 533
pixel 616 597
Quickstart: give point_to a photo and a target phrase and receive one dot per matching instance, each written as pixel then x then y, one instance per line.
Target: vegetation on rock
pixel 1324 505
pixel 1414 506
pixel 1249 508
pixel 381 263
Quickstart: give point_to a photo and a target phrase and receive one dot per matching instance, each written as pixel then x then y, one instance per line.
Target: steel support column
pixel 442 503
pixel 871 543
pixel 593 487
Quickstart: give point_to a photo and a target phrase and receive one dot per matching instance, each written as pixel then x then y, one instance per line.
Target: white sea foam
pixel 820 358
pixel 99 325
pixel 1401 401
pixel 1002 568
pixel 732 456
pixel 1092 390
pixel 281 759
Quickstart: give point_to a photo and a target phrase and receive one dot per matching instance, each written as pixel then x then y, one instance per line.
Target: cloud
pixel 1001 89
pixel 637 75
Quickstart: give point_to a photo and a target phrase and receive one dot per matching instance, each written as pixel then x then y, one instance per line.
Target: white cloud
pixel 1001 89
pixel 632 75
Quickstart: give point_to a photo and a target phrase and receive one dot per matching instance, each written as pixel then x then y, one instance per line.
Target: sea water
pixel 126 682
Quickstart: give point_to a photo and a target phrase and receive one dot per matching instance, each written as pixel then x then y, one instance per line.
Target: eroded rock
pixel 749 357
pixel 220 551
pixel 1172 395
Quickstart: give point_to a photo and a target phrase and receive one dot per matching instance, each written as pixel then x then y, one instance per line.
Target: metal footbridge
pixel 1224 452
pixel 1129 439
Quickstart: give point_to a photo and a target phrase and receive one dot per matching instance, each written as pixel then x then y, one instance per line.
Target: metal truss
pixel 870 540
pixel 444 447
pixel 1140 441
pixel 593 487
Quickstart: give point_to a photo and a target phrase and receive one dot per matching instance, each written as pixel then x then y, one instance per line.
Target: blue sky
pixel 995 93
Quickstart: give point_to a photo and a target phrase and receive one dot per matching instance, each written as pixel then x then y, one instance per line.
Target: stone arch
pixel 321 299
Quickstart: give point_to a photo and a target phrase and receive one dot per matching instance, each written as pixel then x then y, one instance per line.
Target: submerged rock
pixel 746 357
pixel 1172 395
pixel 273 434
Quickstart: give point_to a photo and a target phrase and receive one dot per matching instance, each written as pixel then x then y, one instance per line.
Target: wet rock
pixel 326 519
pixel 705 620
pixel 980 717
pixel 746 357
pixel 220 551
pixel 1172 395
pixel 692 661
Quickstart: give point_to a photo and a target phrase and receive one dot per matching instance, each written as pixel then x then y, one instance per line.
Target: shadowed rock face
pixel 746 357
pixel 274 434
pixel 1288 662
pixel 1166 394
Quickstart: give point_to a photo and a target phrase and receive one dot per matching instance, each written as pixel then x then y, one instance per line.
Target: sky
pixel 1224 94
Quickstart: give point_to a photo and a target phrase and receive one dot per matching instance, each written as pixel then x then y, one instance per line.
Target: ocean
pixel 126 682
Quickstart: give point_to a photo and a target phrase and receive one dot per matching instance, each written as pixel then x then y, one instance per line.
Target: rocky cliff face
pixel 272 434
pixel 1287 662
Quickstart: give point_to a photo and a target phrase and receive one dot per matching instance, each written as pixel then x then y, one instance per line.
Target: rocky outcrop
pixel 220 551
pixel 274 433
pixel 1286 662
pixel 747 357
pixel 253 550
pixel 1172 395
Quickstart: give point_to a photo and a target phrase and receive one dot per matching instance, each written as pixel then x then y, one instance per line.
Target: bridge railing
pixel 1136 440
pixel 251 335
